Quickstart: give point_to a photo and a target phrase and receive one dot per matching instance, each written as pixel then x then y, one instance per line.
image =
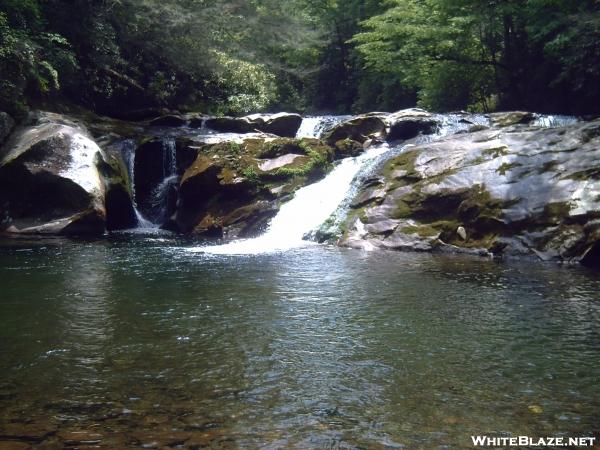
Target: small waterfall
pixel 309 208
pixel 553 121
pixel 162 198
pixel 314 127
pixel 128 152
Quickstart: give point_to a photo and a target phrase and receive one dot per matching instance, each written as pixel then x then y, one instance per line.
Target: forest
pixel 241 56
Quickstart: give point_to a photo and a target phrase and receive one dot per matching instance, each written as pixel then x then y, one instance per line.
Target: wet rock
pixel 523 191
pixel 228 190
pixel 49 178
pixel 7 124
pixel 160 438
pixel 118 201
pixel 280 161
pixel 348 148
pixel 170 120
pixel 409 123
pixel 14 445
pixel 229 124
pixel 34 432
pixel 281 124
pixel 506 119
pixel 249 221
pixel 79 437
pixel 357 129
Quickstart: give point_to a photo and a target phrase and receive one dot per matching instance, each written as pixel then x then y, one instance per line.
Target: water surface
pixel 137 341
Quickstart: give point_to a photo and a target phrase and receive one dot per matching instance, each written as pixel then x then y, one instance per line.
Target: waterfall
pixel 310 207
pixel 553 121
pixel 314 127
pixel 162 197
pixel 128 152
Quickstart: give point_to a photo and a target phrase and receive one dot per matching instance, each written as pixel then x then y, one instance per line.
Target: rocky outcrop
pixel 510 191
pixel 506 119
pixel 50 183
pixel 281 124
pixel 409 123
pixel 54 179
pixel 6 126
pixel 232 189
pixel 357 129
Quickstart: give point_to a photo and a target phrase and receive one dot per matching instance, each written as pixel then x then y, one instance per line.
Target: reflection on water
pixel 139 343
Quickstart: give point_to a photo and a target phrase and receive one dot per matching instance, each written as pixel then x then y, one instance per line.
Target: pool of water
pixel 136 341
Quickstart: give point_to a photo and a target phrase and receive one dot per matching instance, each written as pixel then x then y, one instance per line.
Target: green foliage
pixel 241 56
pixel 531 54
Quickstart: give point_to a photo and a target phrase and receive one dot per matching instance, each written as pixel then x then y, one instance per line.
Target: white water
pixel 310 207
pixel 314 127
pixel 552 121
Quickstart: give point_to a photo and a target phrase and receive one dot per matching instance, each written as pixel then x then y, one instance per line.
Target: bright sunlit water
pixel 147 344
pixel 310 207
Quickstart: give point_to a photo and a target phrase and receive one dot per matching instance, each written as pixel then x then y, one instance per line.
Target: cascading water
pixel 552 121
pixel 328 200
pixel 128 152
pixel 163 196
pixel 309 208
pixel 330 197
pixel 314 127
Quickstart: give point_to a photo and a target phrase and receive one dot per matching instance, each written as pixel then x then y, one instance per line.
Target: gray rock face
pixel 504 191
pixel 409 123
pixel 281 124
pixel 357 129
pixel 6 126
pixel 49 179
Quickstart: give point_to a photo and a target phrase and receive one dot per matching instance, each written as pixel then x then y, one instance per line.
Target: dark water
pixel 123 344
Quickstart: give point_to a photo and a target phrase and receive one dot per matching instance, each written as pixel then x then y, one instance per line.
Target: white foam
pixel 311 206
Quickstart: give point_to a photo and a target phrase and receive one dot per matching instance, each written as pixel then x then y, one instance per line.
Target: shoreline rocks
pixel 513 191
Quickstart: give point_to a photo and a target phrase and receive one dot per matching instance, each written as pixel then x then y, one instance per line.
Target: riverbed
pixel 142 341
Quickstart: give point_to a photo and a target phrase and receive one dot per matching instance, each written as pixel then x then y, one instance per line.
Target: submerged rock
pixel 515 191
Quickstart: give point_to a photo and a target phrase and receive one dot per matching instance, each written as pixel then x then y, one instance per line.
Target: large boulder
pixel 514 191
pixel 281 124
pixel 49 179
pixel 233 188
pixel 118 196
pixel 409 123
pixel 508 118
pixel 357 129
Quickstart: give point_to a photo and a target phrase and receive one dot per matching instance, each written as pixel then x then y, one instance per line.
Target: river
pixel 142 341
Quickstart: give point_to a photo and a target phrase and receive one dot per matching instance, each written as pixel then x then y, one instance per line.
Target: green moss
pixel 406 162
pixel 423 231
pixel 557 210
pixel 496 151
pixel 584 175
pixel 234 148
pixel 507 167
pixel 251 174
